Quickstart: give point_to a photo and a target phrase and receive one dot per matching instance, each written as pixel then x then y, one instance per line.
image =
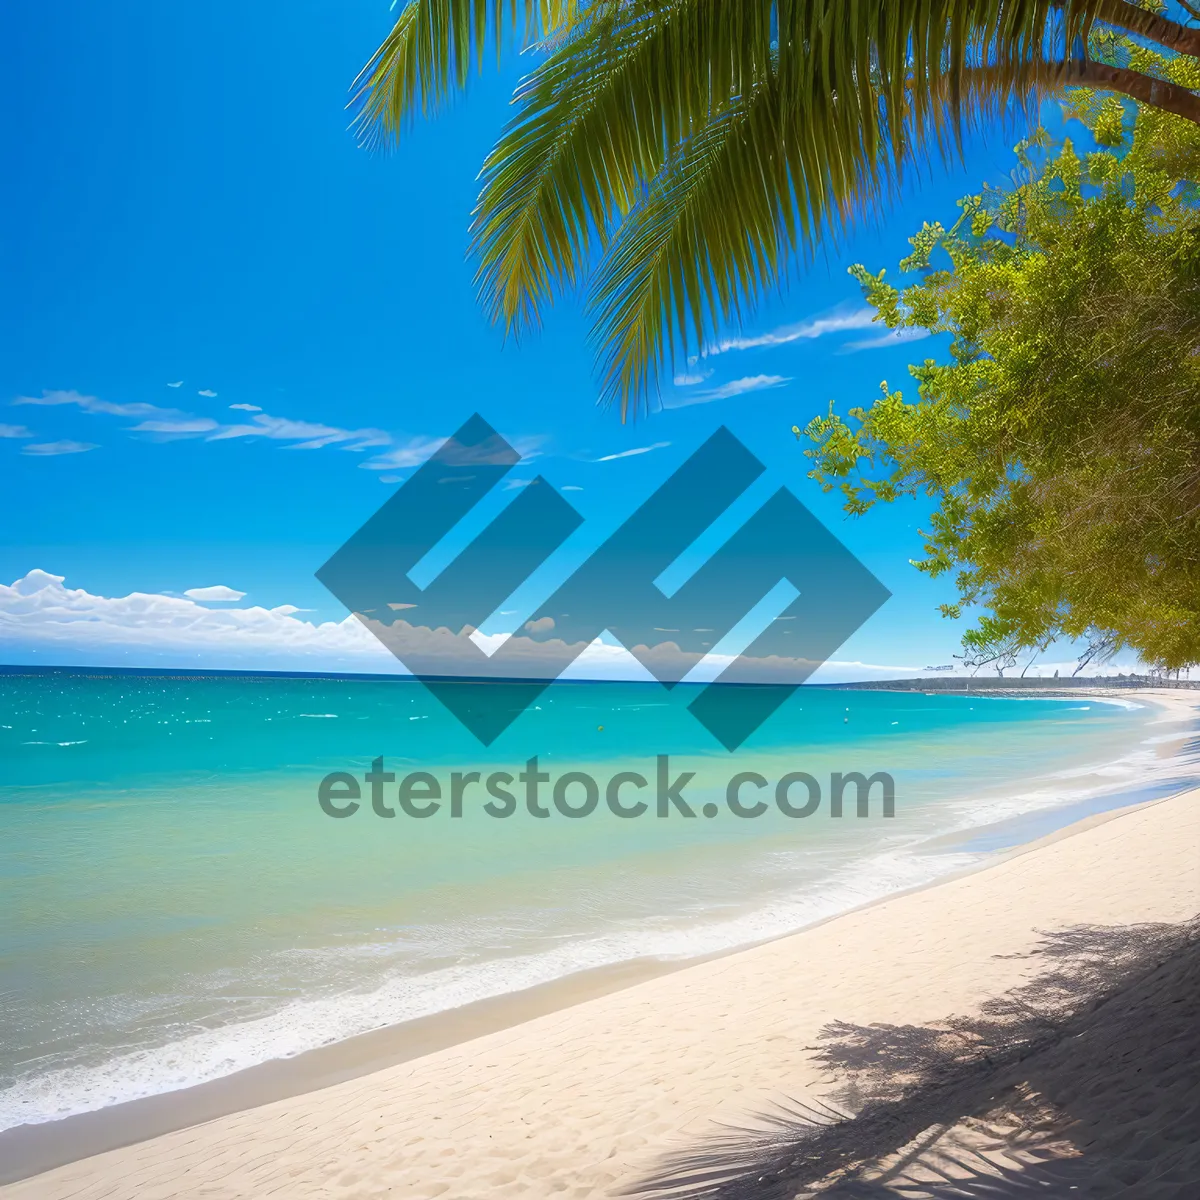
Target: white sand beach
pixel 585 1101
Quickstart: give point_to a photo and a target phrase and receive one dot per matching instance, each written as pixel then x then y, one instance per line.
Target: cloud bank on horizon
pixel 43 622
pixel 218 592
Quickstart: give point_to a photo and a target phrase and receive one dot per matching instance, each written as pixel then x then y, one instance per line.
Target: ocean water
pixel 178 907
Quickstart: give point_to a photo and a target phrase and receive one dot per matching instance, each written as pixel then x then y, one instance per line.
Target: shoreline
pixel 29 1150
pixel 672 1059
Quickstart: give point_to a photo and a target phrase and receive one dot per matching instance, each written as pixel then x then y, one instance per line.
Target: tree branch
pixel 1171 35
pixel 1157 93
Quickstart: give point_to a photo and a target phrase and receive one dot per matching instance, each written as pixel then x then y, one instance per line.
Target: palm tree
pixel 684 154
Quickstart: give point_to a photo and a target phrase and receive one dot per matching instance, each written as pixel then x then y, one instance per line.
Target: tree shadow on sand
pixel 1082 1082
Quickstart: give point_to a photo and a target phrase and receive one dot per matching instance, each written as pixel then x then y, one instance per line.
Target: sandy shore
pixel 585 1100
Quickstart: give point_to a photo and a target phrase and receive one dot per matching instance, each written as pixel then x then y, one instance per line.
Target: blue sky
pixel 240 332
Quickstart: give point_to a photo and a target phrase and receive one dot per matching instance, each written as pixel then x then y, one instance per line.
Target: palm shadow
pixel 1080 1082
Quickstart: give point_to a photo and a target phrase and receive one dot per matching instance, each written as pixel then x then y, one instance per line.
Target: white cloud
pixel 513 484
pixel 15 431
pixel 206 392
pixel 166 423
pixel 92 404
pixel 217 592
pixel 282 429
pixel 391 479
pixel 186 425
pixel 414 451
pixel 631 453
pixel 178 384
pixel 690 378
pixel 364 439
pixel 735 387
pixel 407 454
pixel 571 487
pixel 306 435
pixel 893 337
pixel 837 320
pixel 41 620
pixel 49 449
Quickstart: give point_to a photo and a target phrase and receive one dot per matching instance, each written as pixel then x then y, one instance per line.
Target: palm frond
pixel 629 83
pixel 734 132
pixel 559 170
pixel 715 225
pixel 746 198
pixel 430 50
pixel 624 86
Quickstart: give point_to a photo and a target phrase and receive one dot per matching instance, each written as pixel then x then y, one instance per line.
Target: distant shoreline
pixel 919 683
pixel 1006 683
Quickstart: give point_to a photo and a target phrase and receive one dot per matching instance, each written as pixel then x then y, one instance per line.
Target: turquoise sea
pixel 178 907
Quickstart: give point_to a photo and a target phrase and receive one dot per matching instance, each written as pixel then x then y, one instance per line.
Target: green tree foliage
pixel 696 150
pixel 1061 441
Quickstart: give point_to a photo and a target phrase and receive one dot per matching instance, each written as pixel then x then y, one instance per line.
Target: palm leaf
pixel 719 139
pixel 627 83
pixel 430 51
pixel 742 201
